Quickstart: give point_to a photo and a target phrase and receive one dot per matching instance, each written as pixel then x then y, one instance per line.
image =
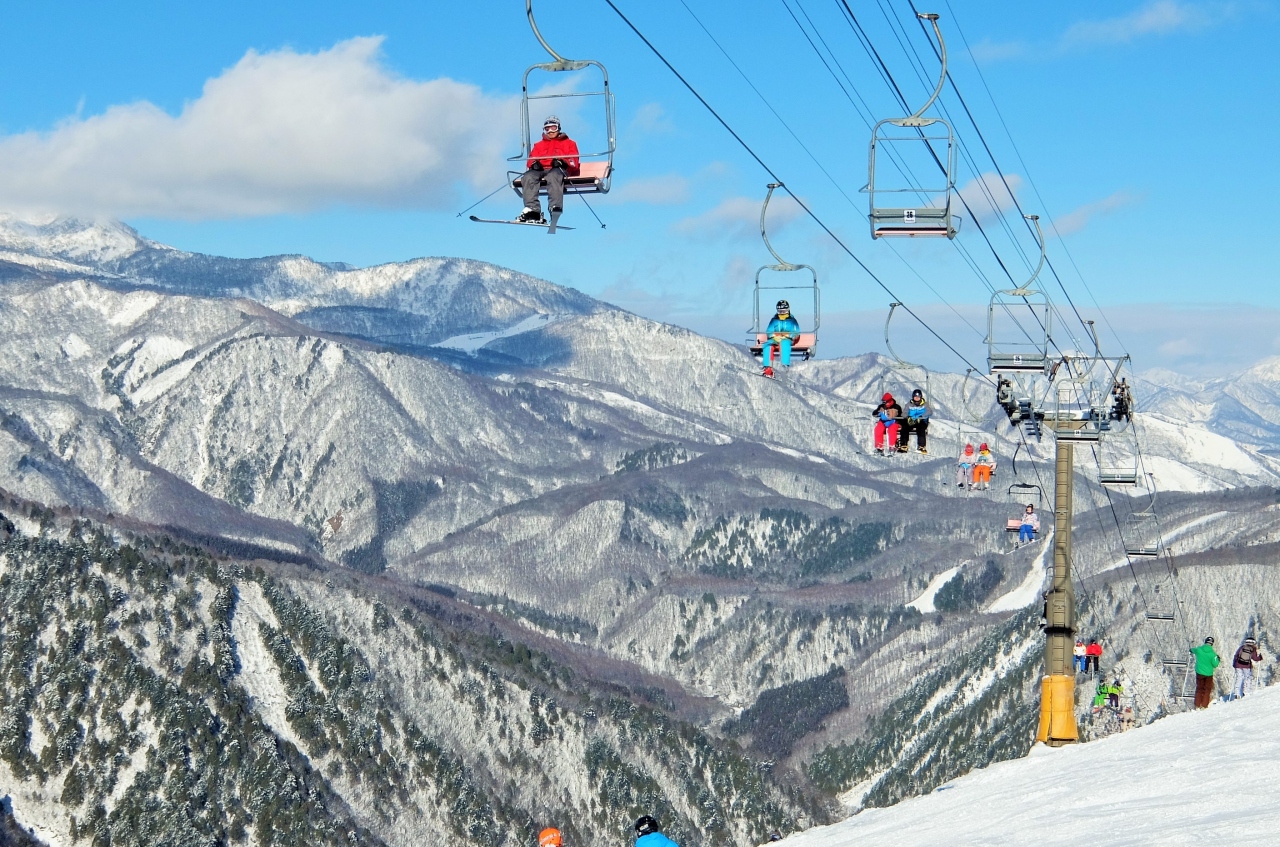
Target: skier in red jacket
pixel 550 161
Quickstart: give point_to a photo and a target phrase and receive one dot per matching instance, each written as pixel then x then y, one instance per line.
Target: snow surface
pixel 924 603
pixel 1028 591
pixel 1190 778
pixel 472 342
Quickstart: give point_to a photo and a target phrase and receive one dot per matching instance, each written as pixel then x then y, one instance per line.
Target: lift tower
pixel 1058 688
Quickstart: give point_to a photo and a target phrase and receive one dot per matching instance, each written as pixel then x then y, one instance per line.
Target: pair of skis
pixel 550 226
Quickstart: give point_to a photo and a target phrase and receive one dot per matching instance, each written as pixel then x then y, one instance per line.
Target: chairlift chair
pixel 596 168
pixel 806 347
pixel 1142 535
pixel 1077 414
pixel 892 215
pixel 1011 347
pixel 1118 458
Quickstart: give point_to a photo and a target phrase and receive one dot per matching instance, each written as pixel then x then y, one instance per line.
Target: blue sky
pixel 356 132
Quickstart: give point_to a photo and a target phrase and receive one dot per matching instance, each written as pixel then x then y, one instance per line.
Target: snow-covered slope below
pixel 1195 776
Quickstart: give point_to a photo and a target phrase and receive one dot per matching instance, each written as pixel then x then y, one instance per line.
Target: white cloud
pixel 987 51
pixel 739 217
pixel 1160 17
pixel 664 190
pixel 278 132
pixel 987 196
pixel 652 118
pixel 1079 218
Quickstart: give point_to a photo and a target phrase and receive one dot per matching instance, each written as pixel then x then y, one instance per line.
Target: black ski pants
pixel 920 428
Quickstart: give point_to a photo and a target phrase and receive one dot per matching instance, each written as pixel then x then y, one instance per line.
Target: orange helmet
pixel 550 837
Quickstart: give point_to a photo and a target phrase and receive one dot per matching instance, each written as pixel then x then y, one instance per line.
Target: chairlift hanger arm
pixel 900 363
pixel 560 63
pixel 916 119
pixel 1026 286
pixel 783 264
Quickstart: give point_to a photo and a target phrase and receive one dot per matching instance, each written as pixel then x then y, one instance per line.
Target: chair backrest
pixel 593 170
pixel 1013 525
pixel 806 340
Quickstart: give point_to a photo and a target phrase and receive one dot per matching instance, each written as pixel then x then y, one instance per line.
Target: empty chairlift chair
pixel 1142 535
pixel 913 207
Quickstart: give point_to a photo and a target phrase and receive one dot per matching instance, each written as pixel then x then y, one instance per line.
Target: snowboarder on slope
pixel 782 332
pixel 550 161
pixel 1243 665
pixel 1207 661
pixel 649 834
pixel 917 421
pixel 887 415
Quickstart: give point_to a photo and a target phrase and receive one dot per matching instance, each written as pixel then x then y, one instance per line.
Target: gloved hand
pixel 537 165
pixel 560 163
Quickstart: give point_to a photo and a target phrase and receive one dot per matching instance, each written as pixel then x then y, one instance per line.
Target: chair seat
pixel 592 178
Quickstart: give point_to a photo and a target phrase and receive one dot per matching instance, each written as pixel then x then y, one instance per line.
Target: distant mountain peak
pixel 72 239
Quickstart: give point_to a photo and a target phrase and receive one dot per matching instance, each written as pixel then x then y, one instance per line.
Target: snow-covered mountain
pixel 613 486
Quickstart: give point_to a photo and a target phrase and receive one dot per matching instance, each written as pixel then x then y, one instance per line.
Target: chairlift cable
pixel 1034 187
pixel 901 166
pixel 878 62
pixel 813 215
pixel 1000 171
pixel 767 104
pixel 865 40
pixel 809 152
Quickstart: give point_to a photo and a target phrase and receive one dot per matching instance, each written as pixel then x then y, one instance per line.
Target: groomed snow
pixel 1198 777
pixel 924 603
pixel 1028 591
pixel 474 341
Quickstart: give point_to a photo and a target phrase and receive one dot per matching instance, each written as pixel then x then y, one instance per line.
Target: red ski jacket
pixel 561 147
pixel 1093 650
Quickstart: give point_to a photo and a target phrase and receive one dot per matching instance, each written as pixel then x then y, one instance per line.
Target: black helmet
pixel 783 306
pixel 917 393
pixel 1209 640
pixel 645 824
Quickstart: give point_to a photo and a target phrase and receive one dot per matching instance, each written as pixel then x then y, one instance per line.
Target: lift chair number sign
pixel 908 216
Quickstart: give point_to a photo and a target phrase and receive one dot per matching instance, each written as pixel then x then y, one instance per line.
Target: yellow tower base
pixel 1058 711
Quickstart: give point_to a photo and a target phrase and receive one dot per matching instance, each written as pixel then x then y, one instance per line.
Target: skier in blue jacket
pixel 648 834
pixel 782 332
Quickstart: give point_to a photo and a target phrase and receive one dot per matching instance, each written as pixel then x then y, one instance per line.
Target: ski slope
pixel 1192 778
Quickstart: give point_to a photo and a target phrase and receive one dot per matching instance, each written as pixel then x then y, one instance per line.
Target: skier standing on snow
pixel 1206 662
pixel 550 161
pixel 1243 665
pixel 1092 655
pixel 649 834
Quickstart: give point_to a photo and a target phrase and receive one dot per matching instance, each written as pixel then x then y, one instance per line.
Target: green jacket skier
pixel 1207 661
